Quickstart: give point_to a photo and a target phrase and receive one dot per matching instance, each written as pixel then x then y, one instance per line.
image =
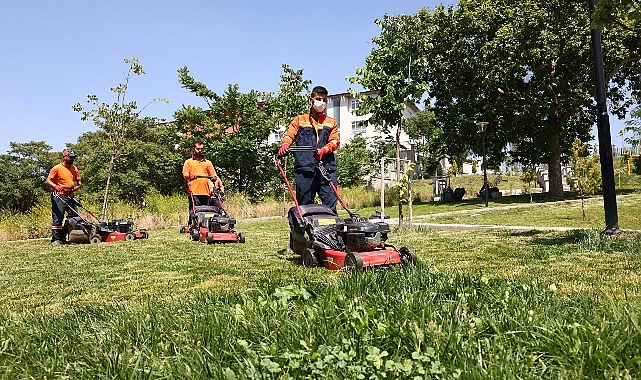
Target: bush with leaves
pixel 586 170
pixel 25 167
pixel 355 162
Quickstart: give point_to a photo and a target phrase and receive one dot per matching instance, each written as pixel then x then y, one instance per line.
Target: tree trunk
pixel 103 215
pixel 554 165
pixel 398 171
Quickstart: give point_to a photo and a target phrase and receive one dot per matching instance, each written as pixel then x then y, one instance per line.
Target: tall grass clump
pixel 33 224
pixel 404 322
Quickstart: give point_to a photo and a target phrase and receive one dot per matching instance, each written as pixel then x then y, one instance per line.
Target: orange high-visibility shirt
pixel 64 177
pixel 204 167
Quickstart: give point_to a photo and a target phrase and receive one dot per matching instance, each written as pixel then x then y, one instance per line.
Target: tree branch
pixel 619 66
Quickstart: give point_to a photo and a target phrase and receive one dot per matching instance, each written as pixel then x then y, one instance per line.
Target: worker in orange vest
pixel 202 180
pixel 64 180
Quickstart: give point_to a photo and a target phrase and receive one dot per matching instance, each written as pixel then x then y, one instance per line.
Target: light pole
pixel 482 125
pixel 605 139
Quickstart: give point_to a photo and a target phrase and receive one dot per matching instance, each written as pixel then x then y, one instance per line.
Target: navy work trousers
pixel 308 184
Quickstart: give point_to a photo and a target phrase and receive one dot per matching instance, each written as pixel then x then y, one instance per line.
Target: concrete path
pixel 421 220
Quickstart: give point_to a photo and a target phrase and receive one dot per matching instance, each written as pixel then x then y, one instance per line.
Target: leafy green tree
pixel 149 164
pixel 387 72
pixel 355 162
pixel 586 171
pixel 422 128
pixel 120 122
pixel 25 168
pixel 634 126
pixel 528 177
pixel 524 66
pixel 234 129
pixel 454 168
pixel 625 14
pixel 292 98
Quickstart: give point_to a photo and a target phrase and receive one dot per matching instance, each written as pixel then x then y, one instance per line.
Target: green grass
pixel 566 213
pixel 481 304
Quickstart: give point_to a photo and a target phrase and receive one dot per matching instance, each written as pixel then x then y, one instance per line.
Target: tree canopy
pixel 236 128
pixel 25 168
pixel 523 66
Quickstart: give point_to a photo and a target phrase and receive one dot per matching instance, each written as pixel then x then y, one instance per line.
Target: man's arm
pixel 186 171
pixel 289 137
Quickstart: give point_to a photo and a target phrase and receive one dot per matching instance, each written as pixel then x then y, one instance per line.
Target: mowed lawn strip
pixel 35 275
pixel 481 304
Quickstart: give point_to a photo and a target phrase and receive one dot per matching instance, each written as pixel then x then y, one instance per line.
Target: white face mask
pixel 319 105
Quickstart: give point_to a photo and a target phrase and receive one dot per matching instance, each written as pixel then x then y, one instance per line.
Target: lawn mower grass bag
pixel 320 228
pixel 79 230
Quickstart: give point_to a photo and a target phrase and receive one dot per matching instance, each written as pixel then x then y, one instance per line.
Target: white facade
pixel 341 107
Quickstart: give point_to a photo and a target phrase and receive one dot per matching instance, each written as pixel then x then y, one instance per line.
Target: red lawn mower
pixel 211 223
pixel 81 231
pixel 320 237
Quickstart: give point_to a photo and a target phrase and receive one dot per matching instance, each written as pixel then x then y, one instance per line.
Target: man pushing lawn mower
pixel 316 231
pixel 320 237
pixel 320 132
pixel 201 178
pixel 64 180
pixel 208 220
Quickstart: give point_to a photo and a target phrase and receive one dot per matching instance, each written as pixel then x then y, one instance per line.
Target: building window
pixel 359 127
pixel 354 104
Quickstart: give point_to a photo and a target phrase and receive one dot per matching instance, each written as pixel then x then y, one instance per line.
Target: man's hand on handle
pixel 321 152
pixel 284 149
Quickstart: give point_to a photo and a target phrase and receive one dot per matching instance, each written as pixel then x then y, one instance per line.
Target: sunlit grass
pixel 481 304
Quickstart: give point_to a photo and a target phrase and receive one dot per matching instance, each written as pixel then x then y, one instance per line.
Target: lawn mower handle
pixel 204 176
pixel 71 208
pixel 279 165
pixel 299 148
pixel 302 148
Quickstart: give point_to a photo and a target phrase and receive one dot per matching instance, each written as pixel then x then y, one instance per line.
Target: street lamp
pixel 482 125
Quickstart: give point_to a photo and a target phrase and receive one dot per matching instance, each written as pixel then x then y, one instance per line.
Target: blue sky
pixel 55 53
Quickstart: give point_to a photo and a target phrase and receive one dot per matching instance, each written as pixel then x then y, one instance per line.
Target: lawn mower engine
pixel 211 224
pixel 322 238
pixel 362 235
pixel 126 227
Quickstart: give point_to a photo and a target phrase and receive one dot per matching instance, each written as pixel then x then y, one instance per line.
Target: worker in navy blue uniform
pixel 320 131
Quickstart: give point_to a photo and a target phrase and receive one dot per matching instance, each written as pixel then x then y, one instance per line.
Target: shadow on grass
pixel 569 237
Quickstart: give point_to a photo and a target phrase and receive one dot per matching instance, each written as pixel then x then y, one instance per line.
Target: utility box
pixel 440 184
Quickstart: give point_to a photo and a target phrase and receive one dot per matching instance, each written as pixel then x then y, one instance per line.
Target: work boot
pixel 58 237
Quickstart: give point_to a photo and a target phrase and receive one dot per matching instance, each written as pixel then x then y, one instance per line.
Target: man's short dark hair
pixel 199 143
pixel 320 90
